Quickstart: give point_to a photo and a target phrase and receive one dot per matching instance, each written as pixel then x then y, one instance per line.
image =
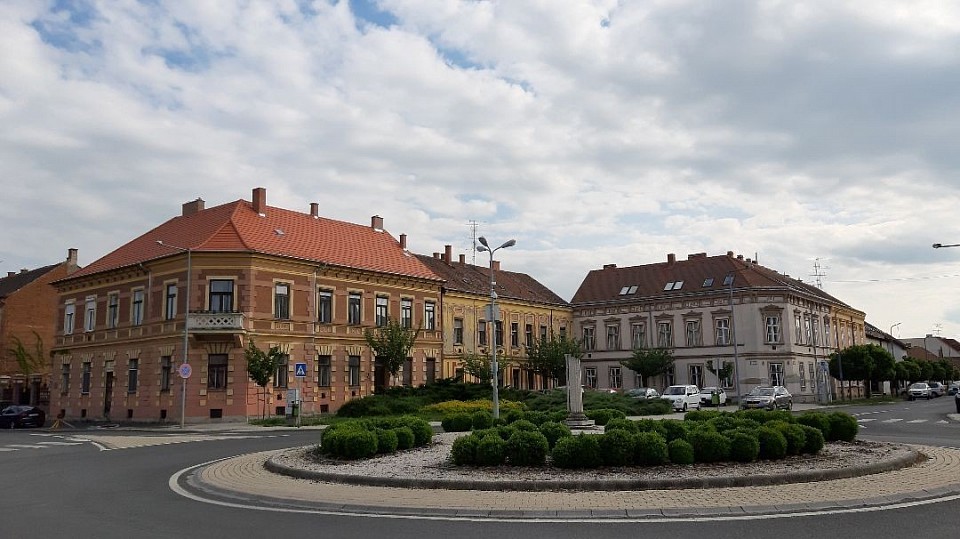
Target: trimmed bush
pixel 422 431
pixel 651 425
pixel 387 441
pixel 813 440
pixel 482 420
pixel 553 431
pixel 709 446
pixel 617 448
pixel 353 443
pixel 536 417
pixel 491 451
pixel 603 415
pixel 744 447
pixel 405 438
pixel 511 416
pixel 505 431
pixel 450 407
pixel 796 439
pixel 523 424
pixel 462 422
pixel 527 448
pixel 559 416
pixel 702 415
pixel 680 451
pixel 773 444
pixel 650 449
pixel 581 451
pixel 817 420
pixel 464 450
pixel 673 429
pixel 621 424
pixel 843 427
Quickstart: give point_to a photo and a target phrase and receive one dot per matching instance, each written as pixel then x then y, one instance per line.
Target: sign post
pixel 300 372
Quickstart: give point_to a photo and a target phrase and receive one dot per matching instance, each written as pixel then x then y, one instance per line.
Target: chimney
pixel 72 261
pixel 192 207
pixel 403 241
pixel 11 273
pixel 496 265
pixel 739 257
pixel 448 253
pixel 463 259
pixel 671 258
pixel 376 223
pixel 24 270
pixel 259 200
pixel 609 266
pixel 730 254
pixel 314 210
pixel 436 255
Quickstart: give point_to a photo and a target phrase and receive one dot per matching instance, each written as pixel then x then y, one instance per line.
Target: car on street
pixel 706 395
pixel 645 393
pixel 918 390
pixel 767 398
pixel 682 397
pixel 953 388
pixel 937 389
pixel 19 416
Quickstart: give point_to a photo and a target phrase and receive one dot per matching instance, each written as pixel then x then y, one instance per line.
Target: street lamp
pixel 484 247
pixel 941 245
pixel 186 331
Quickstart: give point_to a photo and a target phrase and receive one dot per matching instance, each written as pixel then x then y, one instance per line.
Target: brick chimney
pixel 463 259
pixel 496 265
pixel 259 199
pixel 11 273
pixel 448 254
pixel 72 260
pixel 671 258
pixel 376 223
pixel 192 207
pixel 609 266
pixel 403 241
pixel 314 210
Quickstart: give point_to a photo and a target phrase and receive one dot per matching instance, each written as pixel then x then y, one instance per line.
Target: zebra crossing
pixel 864 420
pixel 42 444
pixel 114 442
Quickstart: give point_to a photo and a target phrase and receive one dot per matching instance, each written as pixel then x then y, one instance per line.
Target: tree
pixel 647 362
pixel 724 373
pixel 28 361
pixel 392 343
pixel 261 366
pixel 908 371
pixel 477 366
pixel 863 362
pixel 547 357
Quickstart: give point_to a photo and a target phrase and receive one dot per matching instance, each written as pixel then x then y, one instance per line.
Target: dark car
pixel 770 398
pixel 19 416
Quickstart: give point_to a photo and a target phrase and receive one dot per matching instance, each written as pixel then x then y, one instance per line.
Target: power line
pixel 897 279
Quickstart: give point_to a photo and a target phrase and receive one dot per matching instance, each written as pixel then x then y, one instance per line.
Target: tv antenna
pixel 473 238
pixel 818 272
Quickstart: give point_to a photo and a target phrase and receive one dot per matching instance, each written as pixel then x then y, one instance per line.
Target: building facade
pixel 528 311
pixel 712 311
pixel 221 278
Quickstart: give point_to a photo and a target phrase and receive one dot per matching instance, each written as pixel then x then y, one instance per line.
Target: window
pixel 430 317
pixel 166 366
pixel 803 377
pixel 814 331
pixel 170 304
pixel 353 363
pixel 85 378
pixel 563 332
pixel 813 375
pixel 482 332
pixel 589 339
pixel 673 285
pixel 670 377
pixel 543 333
pixel 136 312
pixel 826 332
pixel 133 371
pixel 90 314
pixel 590 377
pixel 431 370
pixel 693 332
pixel 221 295
pixel 498 331
pixel 728 280
pixel 280 377
pixel 514 334
pixel 613 337
pixel 325 306
pixel 406 312
pixel 113 310
pixel 665 334
pixel 695 375
pixel 807 331
pixel 68 314
pixel 773 329
pixel 458 331
pixel 776 374
pixel 323 375
pixel 353 308
pixel 723 331
pixel 382 312
pixel 64 378
pixel 217 371
pixel 408 372
pixel 281 301
pixel 528 335
pixel 798 326
pixel 726 381
pixel 707 282
pixel 628 290
pixel 638 336
pixel 615 377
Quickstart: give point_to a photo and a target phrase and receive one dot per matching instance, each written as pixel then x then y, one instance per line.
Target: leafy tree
pixel 724 373
pixel 477 366
pixel 864 362
pixel 908 371
pixel 926 370
pixel 547 356
pixel 392 343
pixel 28 361
pixel 648 362
pixel 261 366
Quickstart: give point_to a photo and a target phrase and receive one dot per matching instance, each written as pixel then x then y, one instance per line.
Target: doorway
pixel 108 394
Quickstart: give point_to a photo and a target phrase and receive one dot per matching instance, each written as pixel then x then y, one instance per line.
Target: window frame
pixel 615 377
pixel 692 333
pixel 90 314
pixel 588 335
pixel 721 327
pixel 281 376
pixel 638 335
pixel 64 378
pixel 406 312
pixel 458 331
pixel 430 315
pixel 353 371
pixel 773 324
pixel 220 296
pixel 665 333
pixel 382 311
pixel 137 299
pixel 590 377
pixel 324 370
pixel 86 370
pixel 775 370
pixel 282 299
pixel 69 317
pixel 217 372
pixel 514 334
pixel 482 332
pixel 613 336
pixel 324 306
pixel 133 374
pixel 171 293
pixel 113 310
pixel 355 308
pixel 166 372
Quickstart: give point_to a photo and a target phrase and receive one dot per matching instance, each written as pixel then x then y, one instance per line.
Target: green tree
pixel 477 366
pixel 724 373
pixel 29 361
pixel 547 357
pixel 261 366
pixel 863 362
pixel 392 343
pixel 908 371
pixel 647 362
pixel 926 369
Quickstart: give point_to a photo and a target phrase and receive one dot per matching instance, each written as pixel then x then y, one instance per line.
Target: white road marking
pixel 61 443
pixel 867 420
pixel 892 420
pixel 24 446
pixel 917 421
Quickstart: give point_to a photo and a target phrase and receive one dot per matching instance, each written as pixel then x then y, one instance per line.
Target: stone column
pixel 575 416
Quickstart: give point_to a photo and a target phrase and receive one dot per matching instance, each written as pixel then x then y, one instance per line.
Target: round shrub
pixel 621 424
pixel 680 451
pixel 464 450
pixel 577 452
pixel 701 415
pixel 505 431
pixel 743 447
pixel 709 446
pixel 387 441
pixel 817 420
pixel 356 444
pixel 559 416
pixel 405 438
pixel 491 451
pixel 781 415
pixel 527 448
pixel 482 420
pixel 753 414
pixel 512 415
pixel 457 423
pixel 536 417
pixel 673 429
pixel 773 445
pixel 617 448
pixel 523 424
pixel 650 449
pixel 564 453
pixel 813 440
pixel 723 422
pixel 796 439
pixel 553 431
pixel 602 415
pixel 651 425
pixel 843 427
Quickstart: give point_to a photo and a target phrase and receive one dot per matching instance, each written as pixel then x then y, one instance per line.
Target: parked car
pixel 953 388
pixel 768 397
pixel 645 393
pixel 706 395
pixel 937 389
pixel 682 397
pixel 918 390
pixel 19 416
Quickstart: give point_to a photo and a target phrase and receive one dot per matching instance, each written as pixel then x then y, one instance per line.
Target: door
pixel 379 374
pixel 108 394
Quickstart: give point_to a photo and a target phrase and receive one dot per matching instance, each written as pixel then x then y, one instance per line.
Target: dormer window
pixel 728 280
pixel 673 285
pixel 708 282
pixel 628 290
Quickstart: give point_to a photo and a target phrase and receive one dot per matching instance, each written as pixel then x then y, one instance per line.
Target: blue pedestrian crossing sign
pixel 300 370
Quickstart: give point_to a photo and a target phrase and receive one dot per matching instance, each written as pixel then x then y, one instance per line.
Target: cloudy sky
pixel 592 131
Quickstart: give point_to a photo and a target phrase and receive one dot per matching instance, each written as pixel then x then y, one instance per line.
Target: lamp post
pixel 484 247
pixel 186 331
pixel 733 336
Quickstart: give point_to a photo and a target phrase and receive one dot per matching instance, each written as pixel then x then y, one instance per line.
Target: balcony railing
pixel 210 321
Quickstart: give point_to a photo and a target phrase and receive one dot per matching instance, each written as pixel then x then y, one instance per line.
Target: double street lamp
pixel 492 316
pixel 186 331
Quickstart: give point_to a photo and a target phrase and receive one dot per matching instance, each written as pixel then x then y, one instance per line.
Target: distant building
pixel 306 284
pixel 934 348
pixel 27 312
pixel 897 348
pixel 784 329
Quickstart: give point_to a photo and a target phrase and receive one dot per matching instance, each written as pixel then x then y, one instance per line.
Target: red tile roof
pixel 236 227
pixel 12 283
pixel 476 280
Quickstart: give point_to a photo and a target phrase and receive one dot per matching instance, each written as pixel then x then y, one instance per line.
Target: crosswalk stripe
pixel 24 446
pixel 867 420
pixel 917 421
pixel 61 443
pixel 6 449
pixel 892 420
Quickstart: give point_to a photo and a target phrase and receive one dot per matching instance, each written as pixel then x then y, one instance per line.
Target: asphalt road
pixel 81 491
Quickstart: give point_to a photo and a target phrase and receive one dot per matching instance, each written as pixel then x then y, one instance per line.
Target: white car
pixel 706 395
pixel 682 397
pixel 919 390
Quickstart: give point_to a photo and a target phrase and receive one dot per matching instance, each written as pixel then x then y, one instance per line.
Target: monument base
pixel 579 422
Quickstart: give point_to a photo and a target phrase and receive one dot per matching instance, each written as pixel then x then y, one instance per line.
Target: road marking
pixel 6 449
pixel 24 446
pixel 892 420
pixel 61 443
pixel 942 421
pixel 917 421
pixel 867 420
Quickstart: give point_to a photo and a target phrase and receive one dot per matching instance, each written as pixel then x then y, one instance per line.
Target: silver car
pixel 768 398
pixel 645 393
pixel 919 390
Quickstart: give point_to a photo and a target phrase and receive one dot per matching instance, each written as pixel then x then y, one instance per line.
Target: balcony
pixel 211 322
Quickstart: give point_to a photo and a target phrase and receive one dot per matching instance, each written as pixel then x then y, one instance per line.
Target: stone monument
pixel 576 419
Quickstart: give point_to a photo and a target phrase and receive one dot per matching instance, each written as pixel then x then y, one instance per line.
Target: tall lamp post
pixel 186 331
pixel 484 247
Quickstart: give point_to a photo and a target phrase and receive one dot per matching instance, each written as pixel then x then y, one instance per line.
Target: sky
pixel 803 134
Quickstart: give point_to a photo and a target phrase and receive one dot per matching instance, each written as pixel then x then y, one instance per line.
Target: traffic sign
pixel 185 370
pixel 300 370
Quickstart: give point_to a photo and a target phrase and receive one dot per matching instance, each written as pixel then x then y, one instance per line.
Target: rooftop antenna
pixel 937 328
pixel 473 237
pixel 818 272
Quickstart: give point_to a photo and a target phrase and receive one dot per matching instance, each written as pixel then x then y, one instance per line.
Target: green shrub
pixel 536 417
pixel 505 431
pixel 709 446
pixel 813 439
pixel 793 433
pixel 817 420
pixel 553 431
pixel 464 450
pixel 621 424
pixel 843 427
pixel 527 448
pixel 559 416
pixel 617 447
pixel 405 438
pixel 781 415
pixel 773 445
pixel 523 424
pixel 753 414
pixel 379 405
pixel 581 451
pixel 355 443
pixel 457 423
pixel 673 429
pixel 680 451
pixel 651 407
pixel 650 449
pixel 744 447
pixel 491 451
pixel 482 419
pixel 651 425
pixel 702 415
pixel 564 453
pixel 511 416
pixel 422 431
pixel 387 441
